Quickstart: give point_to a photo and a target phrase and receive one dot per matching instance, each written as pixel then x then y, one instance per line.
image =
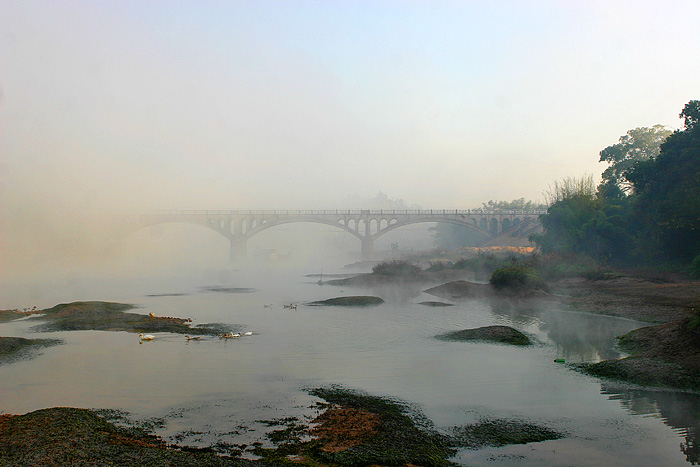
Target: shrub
pixel 517 278
pixel 437 266
pixel 396 268
pixel 695 266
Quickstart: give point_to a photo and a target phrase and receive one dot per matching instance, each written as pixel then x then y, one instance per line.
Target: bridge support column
pixel 367 249
pixel 238 249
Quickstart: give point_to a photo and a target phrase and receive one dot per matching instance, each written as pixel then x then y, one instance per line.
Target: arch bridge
pixel 365 224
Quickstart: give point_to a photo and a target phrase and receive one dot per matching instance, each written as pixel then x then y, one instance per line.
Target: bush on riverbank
pixel 517 279
pixel 396 268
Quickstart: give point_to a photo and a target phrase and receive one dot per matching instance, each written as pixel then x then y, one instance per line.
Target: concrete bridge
pixel 365 224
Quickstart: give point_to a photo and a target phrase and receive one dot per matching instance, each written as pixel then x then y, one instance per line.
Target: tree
pixel 579 220
pixel 640 144
pixel 570 187
pixel 668 187
pixel 691 114
pixel 515 205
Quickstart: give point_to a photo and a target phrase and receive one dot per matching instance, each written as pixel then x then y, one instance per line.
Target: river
pixel 198 392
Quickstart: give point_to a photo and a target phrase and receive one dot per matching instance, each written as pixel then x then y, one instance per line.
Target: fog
pixel 108 109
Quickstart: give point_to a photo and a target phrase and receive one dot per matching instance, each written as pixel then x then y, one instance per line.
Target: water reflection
pixel 678 410
pixel 577 336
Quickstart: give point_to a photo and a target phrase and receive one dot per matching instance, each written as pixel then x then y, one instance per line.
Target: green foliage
pixel 691 114
pixel 517 278
pixel 667 207
pixel 570 187
pixel 437 266
pixel 396 268
pixel 481 262
pixel 587 225
pixel 694 322
pixel 562 264
pixel 640 144
pixel 515 205
pixel 695 266
pixel 646 210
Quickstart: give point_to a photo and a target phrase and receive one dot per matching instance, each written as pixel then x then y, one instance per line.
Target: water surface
pixel 201 391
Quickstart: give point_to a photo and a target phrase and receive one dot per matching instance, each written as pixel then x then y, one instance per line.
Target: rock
pixel 499 334
pixel 359 300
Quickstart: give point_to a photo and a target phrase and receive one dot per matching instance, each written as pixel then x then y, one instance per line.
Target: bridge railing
pixel 335 212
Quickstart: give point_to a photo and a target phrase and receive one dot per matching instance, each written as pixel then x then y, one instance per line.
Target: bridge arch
pixel 365 225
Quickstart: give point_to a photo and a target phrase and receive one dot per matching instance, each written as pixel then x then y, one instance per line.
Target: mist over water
pixel 217 389
pixel 111 109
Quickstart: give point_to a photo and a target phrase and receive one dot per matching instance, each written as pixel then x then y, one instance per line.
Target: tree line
pixel 645 211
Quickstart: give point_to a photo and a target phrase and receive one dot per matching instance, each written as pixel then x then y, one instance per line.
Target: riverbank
pixel 664 354
pixel 352 429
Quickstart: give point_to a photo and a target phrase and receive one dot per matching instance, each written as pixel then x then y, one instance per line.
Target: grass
pixel 396 268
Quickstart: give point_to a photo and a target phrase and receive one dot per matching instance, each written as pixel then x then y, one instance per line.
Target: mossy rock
pixel 359 300
pixel 461 290
pixel 110 316
pixel 501 432
pixel 71 436
pixel 645 372
pixel 398 439
pixel 498 334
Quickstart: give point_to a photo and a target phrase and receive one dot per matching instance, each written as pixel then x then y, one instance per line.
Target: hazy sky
pixel 293 104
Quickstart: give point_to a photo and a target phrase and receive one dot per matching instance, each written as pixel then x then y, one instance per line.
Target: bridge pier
pixel 367 249
pixel 238 249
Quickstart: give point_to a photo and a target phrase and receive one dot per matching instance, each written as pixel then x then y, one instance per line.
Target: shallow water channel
pixel 198 392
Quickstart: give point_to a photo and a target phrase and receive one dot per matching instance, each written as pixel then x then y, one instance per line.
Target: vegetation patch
pixel 70 436
pixel 396 268
pixel 517 279
pixel 499 334
pixel 15 348
pixel 359 300
pixel 501 432
pixel 354 429
pixel 109 316
pixel 379 432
